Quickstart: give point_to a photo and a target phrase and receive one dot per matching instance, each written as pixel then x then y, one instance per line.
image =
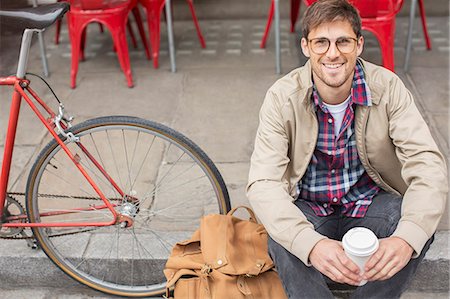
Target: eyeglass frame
pixel 335 43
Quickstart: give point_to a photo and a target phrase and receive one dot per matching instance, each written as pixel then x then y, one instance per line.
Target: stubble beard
pixel 331 82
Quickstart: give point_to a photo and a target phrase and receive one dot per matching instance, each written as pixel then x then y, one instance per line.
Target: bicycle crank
pixel 13 212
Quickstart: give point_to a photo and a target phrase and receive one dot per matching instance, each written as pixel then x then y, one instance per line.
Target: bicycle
pixel 106 199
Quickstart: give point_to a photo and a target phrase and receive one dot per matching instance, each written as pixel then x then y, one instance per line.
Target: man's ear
pixel 304 45
pixel 360 45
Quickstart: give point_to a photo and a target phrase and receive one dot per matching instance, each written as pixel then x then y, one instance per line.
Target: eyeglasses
pixel 321 45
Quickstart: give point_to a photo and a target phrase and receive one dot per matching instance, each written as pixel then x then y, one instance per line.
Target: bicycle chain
pixel 25 236
pixel 64 196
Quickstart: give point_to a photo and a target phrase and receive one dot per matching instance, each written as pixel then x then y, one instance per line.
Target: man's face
pixel 333 68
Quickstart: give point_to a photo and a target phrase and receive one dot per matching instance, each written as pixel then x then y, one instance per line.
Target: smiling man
pixel 341 144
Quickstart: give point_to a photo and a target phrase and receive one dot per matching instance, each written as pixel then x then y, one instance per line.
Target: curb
pixel 23 267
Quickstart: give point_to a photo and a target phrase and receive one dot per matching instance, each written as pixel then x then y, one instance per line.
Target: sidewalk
pixel 214 99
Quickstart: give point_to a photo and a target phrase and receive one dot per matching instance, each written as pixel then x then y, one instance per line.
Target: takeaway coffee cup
pixel 359 245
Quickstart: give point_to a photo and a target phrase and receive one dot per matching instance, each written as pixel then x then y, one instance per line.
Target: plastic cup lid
pixel 360 241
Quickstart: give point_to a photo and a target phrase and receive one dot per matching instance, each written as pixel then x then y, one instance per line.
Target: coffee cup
pixel 359 244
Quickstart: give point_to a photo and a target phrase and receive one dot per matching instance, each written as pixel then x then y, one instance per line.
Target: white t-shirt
pixel 338 112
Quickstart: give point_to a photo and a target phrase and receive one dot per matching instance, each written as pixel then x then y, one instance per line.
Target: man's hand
pixel 392 255
pixel 329 258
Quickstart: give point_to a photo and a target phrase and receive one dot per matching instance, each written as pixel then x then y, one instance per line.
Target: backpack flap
pixel 234 246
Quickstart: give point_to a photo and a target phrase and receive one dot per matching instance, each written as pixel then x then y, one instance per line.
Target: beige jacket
pixel 394 145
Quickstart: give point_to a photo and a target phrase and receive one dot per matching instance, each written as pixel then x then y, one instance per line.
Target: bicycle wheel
pixel 168 183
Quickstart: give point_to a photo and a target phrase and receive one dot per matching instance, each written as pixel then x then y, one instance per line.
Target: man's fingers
pixel 337 276
pixel 348 269
pixel 348 263
pixel 394 271
pixel 330 275
pixel 374 259
pixel 386 271
pixel 378 267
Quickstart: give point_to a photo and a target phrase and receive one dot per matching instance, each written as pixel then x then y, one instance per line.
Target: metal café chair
pixel 274 11
pixel 154 9
pixel 412 15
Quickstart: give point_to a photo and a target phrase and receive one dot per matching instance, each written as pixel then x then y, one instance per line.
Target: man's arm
pixel 423 169
pixel 425 172
pixel 267 189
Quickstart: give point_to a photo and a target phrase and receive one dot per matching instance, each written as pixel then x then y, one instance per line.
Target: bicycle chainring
pixel 12 208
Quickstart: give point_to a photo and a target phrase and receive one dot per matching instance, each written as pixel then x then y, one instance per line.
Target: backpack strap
pixel 250 212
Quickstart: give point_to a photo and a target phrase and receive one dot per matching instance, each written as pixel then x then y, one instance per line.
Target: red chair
pixel 139 23
pixel 58 26
pixel 154 8
pixel 379 18
pixel 424 24
pixel 111 13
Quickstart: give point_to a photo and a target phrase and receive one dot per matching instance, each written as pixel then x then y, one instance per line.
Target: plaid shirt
pixel 335 177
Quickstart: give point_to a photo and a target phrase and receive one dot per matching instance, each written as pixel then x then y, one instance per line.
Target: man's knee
pixel 283 259
pixel 384 214
pixel 278 253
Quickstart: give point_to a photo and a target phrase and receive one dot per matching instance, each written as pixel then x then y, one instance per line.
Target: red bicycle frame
pixel 20 88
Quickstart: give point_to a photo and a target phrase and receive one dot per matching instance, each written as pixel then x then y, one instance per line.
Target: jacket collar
pixel 376 88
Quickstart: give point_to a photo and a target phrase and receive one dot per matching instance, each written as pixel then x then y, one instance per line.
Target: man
pixel 341 144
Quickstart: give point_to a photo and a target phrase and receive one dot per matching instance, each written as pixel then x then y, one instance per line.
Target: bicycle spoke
pixel 143 162
pixel 172 166
pixel 126 160
pixel 68 183
pixel 143 247
pixel 97 151
pixel 157 185
pixel 167 188
pixel 100 176
pixel 132 262
pixel 117 255
pixel 114 157
pixel 102 164
pixel 165 244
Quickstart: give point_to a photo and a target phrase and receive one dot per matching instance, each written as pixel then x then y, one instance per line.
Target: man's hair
pixel 325 11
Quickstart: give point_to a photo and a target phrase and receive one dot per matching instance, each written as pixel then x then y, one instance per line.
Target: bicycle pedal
pixel 31 242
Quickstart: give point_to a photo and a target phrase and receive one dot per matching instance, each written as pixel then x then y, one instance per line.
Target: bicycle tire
pixel 116 260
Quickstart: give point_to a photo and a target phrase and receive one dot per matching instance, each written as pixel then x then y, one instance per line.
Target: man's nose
pixel 333 51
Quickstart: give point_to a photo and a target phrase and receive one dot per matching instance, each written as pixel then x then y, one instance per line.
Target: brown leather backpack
pixel 226 257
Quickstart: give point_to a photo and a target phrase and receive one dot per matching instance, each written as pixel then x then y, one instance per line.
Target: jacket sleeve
pixel 423 169
pixel 268 187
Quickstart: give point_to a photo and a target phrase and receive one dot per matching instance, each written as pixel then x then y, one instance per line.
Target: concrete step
pixel 84 292
pixel 23 267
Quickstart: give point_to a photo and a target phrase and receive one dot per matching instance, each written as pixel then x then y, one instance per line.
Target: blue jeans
pixel 301 281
